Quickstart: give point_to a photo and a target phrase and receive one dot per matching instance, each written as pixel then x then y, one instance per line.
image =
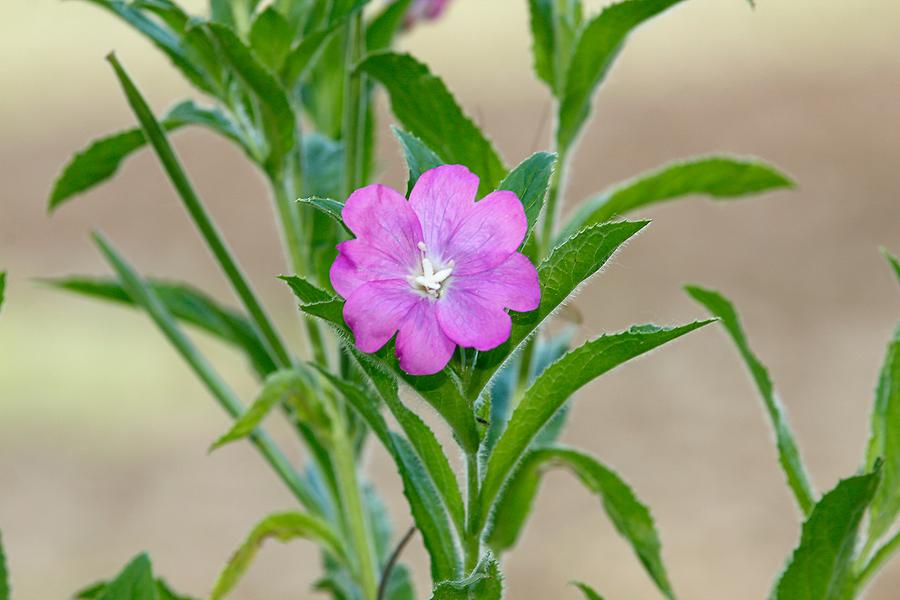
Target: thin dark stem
pixel 392 562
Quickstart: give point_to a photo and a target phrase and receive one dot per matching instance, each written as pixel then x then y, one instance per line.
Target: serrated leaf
pixel 569 265
pixel 135 582
pixel 188 305
pixel 4 574
pixel 327 206
pixel 554 28
pixel 290 387
pixel 270 38
pixel 425 502
pixel 628 514
pixel 419 157
pixel 788 454
pixel 556 384
pixel 529 181
pixel 305 291
pixel 102 158
pixel 283 527
pixel 884 442
pixel 820 568
pixel 598 44
pixel 893 262
pixel 588 591
pixel 719 177
pixel 279 121
pixel 383 27
pixel 484 583
pixel 426 109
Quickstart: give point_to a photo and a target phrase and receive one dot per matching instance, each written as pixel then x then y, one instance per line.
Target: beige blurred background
pixel 103 431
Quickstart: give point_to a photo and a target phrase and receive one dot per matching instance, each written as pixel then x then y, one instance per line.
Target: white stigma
pixel 430 280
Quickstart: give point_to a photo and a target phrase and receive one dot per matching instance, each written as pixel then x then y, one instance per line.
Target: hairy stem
pixel 554 203
pixel 473 529
pixel 355 106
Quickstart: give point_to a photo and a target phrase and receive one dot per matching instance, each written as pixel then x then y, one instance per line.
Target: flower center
pixel 431 279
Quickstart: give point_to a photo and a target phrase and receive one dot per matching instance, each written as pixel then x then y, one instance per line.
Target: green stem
pixel 525 367
pixel 200 216
pixel 145 297
pixel 473 529
pixel 355 519
pixel 881 556
pixel 554 203
pixel 354 105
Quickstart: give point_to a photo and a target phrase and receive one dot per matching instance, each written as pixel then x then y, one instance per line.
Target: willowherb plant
pixel 445 293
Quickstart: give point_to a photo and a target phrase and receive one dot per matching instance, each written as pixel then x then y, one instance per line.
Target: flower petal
pixel 513 284
pixel 441 198
pixel 488 234
pixel 472 322
pixel 422 347
pixel 359 262
pixel 383 219
pixel 376 310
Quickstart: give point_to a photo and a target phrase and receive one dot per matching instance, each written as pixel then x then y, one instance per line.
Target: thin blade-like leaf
pixel 426 109
pixel 629 515
pixel 569 265
pixel 588 591
pixel 892 260
pixel 719 177
pixel 2 287
pixel 788 454
pixel 283 527
pixel 554 28
pixel 596 49
pixel 820 568
pixel 556 384
pixel 4 574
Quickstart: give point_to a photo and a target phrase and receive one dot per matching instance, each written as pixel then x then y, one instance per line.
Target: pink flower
pixel 424 10
pixel 439 270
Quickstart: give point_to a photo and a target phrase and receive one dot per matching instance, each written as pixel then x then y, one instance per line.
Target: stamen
pixel 430 281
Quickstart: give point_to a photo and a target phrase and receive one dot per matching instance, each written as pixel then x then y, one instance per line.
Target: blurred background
pixel 103 431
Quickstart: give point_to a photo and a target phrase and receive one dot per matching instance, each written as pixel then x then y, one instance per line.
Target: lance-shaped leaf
pixel 788 454
pixel 884 442
pixel 629 515
pixel 2 287
pixel 187 305
pixel 283 527
pixel 553 388
pixel 554 29
pixel 4 574
pixel 425 502
pixel 569 265
pixel 384 26
pixel 306 292
pixel 820 568
pixel 719 177
pixel 484 583
pixel 600 41
pixel 529 182
pixel 589 592
pixel 892 260
pixel 279 121
pixel 327 206
pixel 135 582
pixel 163 591
pixel 101 160
pixel 163 38
pixel 426 109
pixel 270 38
pixel 419 157
pixel 302 56
pixel 292 388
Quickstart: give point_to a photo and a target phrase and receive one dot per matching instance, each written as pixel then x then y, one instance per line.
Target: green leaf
pixel 629 515
pixel 305 291
pixel 4 574
pixel 719 177
pixel 188 305
pixel 331 208
pixel 279 121
pixel 554 28
pixel 419 157
pixel 426 109
pixel 342 9
pixel 292 388
pixel 529 181
pixel 568 266
pixel 596 49
pixel 884 442
pixel 283 527
pixel 892 260
pixel 484 583
pixel 556 384
pixel 163 38
pixel 820 568
pixel 101 160
pixel 302 56
pixel 270 39
pixel 788 454
pixel 384 26
pixel 2 287
pixel 587 590
pixel 135 582
pixel 425 502
pixel 164 592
